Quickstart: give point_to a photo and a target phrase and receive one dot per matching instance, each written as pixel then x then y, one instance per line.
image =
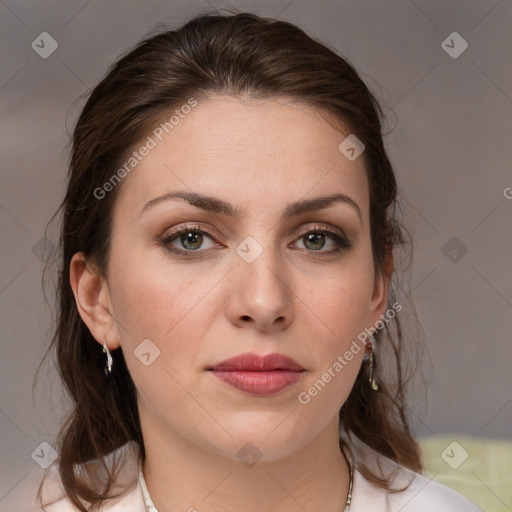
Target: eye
pixel 315 240
pixel 190 238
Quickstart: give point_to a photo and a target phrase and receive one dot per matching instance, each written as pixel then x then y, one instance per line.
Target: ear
pixel 379 300
pixel 93 302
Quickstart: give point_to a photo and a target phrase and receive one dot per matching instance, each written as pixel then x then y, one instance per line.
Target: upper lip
pixel 254 362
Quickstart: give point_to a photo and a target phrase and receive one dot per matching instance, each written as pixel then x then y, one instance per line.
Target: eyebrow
pixel 213 204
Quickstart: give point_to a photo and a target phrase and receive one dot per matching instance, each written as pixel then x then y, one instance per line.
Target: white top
pixel 422 495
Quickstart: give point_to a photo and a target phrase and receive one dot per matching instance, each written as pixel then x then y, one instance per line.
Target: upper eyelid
pixel 341 240
pixel 318 227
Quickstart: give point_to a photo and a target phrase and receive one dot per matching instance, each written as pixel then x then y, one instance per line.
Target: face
pixel 255 279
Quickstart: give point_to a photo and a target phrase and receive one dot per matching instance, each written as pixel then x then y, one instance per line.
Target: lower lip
pixel 259 383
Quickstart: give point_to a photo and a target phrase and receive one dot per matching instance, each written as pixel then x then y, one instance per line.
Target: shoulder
pixel 424 495
pixel 412 492
pixel 129 500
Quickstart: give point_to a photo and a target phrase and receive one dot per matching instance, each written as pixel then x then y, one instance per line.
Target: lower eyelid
pixel 168 239
pixel 341 241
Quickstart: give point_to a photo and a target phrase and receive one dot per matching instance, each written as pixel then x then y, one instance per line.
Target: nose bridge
pixel 261 264
pixel 262 290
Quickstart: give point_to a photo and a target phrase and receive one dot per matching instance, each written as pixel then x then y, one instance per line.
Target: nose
pixel 261 293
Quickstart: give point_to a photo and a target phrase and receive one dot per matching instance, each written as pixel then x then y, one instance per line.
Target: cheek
pixel 150 297
pixel 341 303
pixel 146 304
pixel 150 304
pixel 336 355
pixel 170 307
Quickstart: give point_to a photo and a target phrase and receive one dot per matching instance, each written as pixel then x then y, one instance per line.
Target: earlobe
pixel 93 300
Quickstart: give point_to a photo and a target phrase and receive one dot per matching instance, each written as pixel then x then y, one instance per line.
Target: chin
pixel 257 435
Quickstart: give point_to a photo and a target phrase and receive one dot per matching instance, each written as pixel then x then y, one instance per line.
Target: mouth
pixel 259 375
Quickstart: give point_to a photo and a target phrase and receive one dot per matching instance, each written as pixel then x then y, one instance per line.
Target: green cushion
pixel 480 469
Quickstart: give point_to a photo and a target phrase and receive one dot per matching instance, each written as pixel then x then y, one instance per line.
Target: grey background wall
pixel 450 110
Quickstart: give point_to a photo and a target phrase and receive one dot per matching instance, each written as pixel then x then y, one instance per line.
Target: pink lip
pixel 258 375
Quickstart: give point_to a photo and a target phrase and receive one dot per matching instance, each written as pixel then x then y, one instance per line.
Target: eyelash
pixel 342 242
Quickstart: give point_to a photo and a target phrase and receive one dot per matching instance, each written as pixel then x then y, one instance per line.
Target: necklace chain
pixel 150 506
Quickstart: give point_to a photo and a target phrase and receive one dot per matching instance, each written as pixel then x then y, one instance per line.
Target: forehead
pixel 247 149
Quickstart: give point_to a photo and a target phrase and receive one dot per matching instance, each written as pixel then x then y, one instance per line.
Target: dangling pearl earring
pixel 374 385
pixel 108 364
pixel 369 352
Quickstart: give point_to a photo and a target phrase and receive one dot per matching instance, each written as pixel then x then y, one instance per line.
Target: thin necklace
pixel 150 506
pixel 351 481
pixel 148 502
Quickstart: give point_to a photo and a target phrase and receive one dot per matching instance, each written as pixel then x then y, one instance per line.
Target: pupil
pixel 314 237
pixel 191 237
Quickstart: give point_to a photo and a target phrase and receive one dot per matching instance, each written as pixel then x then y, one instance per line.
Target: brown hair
pixel 232 54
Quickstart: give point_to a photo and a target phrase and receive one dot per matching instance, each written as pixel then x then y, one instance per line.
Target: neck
pixel 182 476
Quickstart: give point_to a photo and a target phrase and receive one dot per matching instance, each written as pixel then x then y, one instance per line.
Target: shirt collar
pixel 365 496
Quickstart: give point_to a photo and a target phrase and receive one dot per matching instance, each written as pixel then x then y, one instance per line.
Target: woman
pixel 226 313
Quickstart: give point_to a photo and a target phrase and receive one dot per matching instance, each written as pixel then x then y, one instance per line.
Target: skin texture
pixel 296 298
